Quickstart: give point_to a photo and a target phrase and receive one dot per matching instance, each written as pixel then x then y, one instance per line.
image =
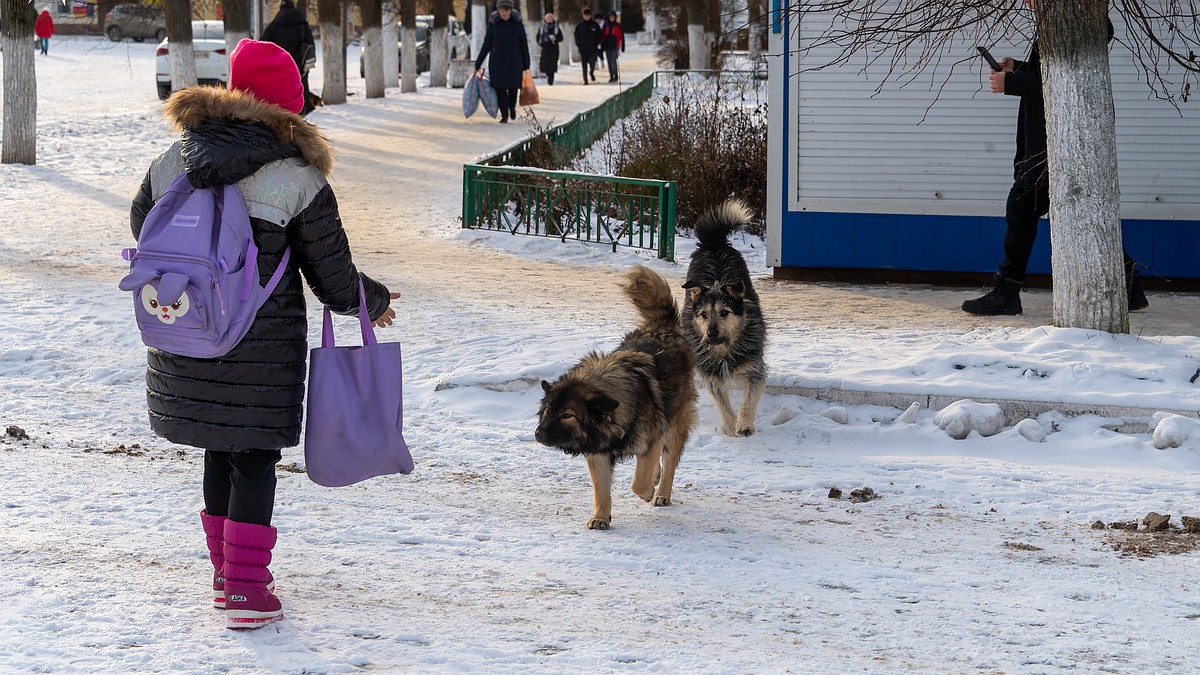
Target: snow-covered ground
pixel 978 554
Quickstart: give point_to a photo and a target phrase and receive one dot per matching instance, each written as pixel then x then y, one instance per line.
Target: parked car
pixel 135 21
pixel 458 43
pixel 212 63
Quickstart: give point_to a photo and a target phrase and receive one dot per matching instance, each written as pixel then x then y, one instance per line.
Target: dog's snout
pixel 539 435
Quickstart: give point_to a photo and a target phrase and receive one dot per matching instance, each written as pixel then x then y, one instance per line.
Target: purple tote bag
pixel 354 429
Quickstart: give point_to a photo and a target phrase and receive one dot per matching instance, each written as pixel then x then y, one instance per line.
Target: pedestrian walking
pixel 506 46
pixel 549 36
pixel 612 43
pixel 1029 197
pixel 245 406
pixel 290 30
pixel 587 40
pixel 43 28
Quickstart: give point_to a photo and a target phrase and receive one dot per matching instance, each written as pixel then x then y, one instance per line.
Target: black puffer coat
pixel 507 44
pixel 290 30
pixel 251 397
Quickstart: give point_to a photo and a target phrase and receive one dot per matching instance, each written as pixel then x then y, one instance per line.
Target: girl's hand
pixel 386 319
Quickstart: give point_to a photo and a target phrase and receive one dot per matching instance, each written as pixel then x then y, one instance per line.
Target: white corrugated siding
pixel 947 149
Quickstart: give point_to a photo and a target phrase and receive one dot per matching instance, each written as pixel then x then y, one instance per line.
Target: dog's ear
pixel 603 404
pixel 547 387
pixel 694 290
pixel 736 288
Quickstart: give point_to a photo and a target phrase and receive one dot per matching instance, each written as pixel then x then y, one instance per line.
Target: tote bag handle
pixel 364 322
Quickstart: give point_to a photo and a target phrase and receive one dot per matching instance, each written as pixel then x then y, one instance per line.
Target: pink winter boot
pixel 249 601
pixel 214 534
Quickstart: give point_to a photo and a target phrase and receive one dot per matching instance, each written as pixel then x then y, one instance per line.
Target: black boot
pixel 1003 300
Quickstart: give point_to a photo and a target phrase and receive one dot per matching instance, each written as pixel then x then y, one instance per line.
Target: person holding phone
pixel 1029 197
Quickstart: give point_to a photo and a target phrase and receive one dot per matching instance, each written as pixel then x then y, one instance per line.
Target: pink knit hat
pixel 266 71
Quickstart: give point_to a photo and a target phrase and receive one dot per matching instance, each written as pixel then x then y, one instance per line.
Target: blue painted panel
pixel 963 243
pixel 875 241
pixel 916 243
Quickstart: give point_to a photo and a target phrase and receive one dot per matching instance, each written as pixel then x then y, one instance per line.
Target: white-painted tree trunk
pixel 408 59
pixel 183 66
pixel 479 19
pixel 333 63
pixel 391 46
pixel 373 60
pixel 233 38
pixel 699 56
pixel 19 142
pixel 1085 196
pixel 439 57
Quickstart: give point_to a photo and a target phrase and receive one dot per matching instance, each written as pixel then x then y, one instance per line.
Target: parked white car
pixel 212 63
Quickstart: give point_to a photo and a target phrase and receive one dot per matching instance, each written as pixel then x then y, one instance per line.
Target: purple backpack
pixel 194 273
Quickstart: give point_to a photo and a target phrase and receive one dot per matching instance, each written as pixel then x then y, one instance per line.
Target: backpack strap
pixel 248 280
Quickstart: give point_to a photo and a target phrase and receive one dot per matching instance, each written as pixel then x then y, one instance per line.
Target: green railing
pixel 607 210
pixel 500 194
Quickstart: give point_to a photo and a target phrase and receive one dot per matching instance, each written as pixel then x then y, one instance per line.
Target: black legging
pixel 241 485
pixel 507 99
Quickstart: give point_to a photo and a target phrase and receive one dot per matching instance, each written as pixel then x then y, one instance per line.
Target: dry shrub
pixel 710 139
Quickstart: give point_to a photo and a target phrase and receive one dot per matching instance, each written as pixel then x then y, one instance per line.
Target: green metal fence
pixel 607 210
pixel 500 194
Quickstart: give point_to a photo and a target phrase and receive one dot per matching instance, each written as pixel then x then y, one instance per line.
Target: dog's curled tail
pixel 651 295
pixel 713 228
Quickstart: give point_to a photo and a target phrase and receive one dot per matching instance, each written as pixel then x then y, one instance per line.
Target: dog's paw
pixel 745 431
pixel 599 524
pixel 662 500
pixel 646 496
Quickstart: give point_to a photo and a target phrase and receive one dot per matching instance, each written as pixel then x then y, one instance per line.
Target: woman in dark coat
pixel 243 407
pixel 507 44
pixel 549 36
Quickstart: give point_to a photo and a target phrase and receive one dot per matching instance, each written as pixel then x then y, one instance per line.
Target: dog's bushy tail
pixel 713 228
pixel 651 295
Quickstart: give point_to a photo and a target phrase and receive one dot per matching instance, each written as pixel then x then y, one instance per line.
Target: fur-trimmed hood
pixel 192 108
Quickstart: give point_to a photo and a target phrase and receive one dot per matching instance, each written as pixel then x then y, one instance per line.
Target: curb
pixel 1122 419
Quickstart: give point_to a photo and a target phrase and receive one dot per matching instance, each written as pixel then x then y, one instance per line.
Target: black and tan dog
pixel 637 401
pixel 722 319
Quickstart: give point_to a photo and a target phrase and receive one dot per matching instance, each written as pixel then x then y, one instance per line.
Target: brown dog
pixel 638 401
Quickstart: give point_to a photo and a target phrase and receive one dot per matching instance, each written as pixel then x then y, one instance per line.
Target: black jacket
pixel 508 46
pixel 251 397
pixel 290 30
pixel 548 61
pixel 587 37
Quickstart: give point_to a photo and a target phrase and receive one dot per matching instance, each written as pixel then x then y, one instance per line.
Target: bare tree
pixel 408 46
pixel 372 44
pixel 391 44
pixel 237 22
pixel 178 16
pixel 19 143
pixel 910 37
pixel 333 51
pixel 439 44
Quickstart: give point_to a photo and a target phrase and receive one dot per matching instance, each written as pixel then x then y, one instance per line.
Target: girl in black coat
pixel 243 407
pixel 549 36
pixel 508 45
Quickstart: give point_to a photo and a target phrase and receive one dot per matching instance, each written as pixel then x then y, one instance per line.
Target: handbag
pixel 529 92
pixel 355 408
